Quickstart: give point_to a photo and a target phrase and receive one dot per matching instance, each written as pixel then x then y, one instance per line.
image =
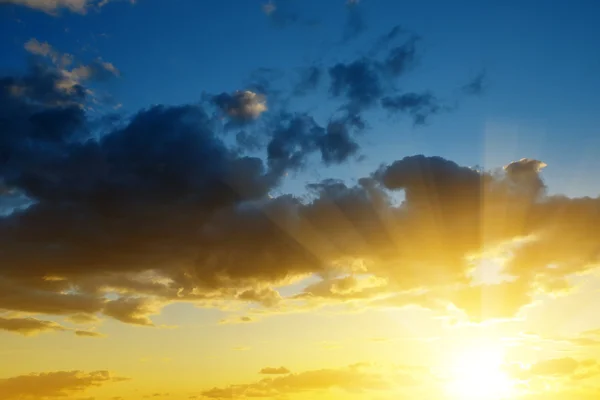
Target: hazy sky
pixel 299 199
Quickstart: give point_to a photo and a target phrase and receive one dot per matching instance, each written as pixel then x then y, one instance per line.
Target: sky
pixel 298 199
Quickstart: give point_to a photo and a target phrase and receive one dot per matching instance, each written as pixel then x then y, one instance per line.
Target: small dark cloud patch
pixel 297 136
pixel 477 86
pixel 274 371
pixel 419 106
pixel 363 82
pixel 358 82
pixel 402 58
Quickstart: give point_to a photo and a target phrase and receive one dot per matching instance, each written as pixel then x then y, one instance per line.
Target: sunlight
pixel 477 374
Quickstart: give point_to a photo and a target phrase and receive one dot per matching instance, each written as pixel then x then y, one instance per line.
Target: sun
pixel 477 374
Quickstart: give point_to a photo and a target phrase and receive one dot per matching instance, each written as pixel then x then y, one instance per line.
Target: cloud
pixel 98 70
pixel 366 80
pixel 44 49
pixel 29 326
pixel 53 6
pixel 241 106
pixel 188 218
pixel 296 136
pixel 419 106
pixel 132 310
pixel 558 368
pixel 32 326
pixel 477 86
pixel 53 384
pixel 352 378
pixel 237 320
pixel 274 371
pixel 59 78
pixel 89 334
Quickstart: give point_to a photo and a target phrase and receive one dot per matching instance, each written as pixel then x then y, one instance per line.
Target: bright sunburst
pixel 477 374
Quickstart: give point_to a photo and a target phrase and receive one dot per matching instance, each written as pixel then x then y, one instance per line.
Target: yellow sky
pixel 548 349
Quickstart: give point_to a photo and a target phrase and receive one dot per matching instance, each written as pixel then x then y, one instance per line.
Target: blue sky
pixel 540 62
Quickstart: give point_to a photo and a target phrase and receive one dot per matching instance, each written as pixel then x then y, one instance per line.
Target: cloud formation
pixel 53 6
pixel 353 378
pixel 28 326
pixel 241 106
pixel 53 384
pixel 158 207
pixel 558 368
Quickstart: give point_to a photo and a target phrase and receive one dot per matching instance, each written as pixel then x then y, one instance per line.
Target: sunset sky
pixel 299 199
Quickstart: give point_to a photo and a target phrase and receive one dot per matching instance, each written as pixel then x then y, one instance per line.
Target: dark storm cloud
pixel 125 190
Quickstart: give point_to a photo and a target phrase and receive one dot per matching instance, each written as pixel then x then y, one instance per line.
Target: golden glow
pixel 477 374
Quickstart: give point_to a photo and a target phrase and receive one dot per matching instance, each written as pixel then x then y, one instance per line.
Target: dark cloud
pixel 131 310
pixel 157 208
pixel 358 81
pixel 296 136
pixel 188 219
pixel 419 106
pixel 365 81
